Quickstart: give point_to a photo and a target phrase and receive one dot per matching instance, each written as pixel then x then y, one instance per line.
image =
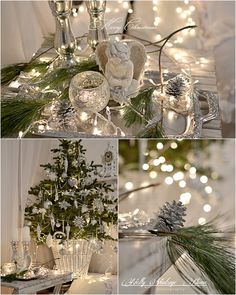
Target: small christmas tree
pixel 71 200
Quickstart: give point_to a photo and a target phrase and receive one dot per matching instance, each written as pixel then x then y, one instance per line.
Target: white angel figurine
pixel 118 61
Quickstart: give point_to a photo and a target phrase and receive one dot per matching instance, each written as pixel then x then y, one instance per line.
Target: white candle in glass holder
pixel 26 234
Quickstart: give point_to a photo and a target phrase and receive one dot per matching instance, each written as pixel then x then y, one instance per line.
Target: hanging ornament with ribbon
pixel 52 220
pixel 67 231
pixel 76 204
pixel 56 194
pixel 38 232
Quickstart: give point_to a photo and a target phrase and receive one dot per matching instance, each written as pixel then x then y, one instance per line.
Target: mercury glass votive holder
pixel 8 268
pixel 89 93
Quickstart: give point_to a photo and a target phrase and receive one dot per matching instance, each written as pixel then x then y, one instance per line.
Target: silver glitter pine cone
pixel 177 86
pixel 169 218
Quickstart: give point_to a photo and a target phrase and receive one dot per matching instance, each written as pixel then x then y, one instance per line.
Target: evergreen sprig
pixel 13 277
pixel 9 73
pixel 152 130
pixel 206 251
pixel 140 108
pixel 17 114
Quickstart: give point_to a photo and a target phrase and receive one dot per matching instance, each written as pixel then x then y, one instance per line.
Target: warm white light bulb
pixel 207 208
pixel 202 220
pixel 162 159
pixel 182 184
pixel 129 185
pixel 156 162
pixel 203 179
pixel 192 170
pixel 185 198
pixel 178 176
pixel 160 145
pixel 208 189
pixel 145 166
pixel 174 145
pixel 153 174
pixel 169 180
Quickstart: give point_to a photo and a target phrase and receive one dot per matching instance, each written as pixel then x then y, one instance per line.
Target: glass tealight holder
pixel 9 268
pixel 89 93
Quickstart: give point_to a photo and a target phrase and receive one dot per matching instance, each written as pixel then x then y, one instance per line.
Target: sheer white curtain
pixel 34 152
pixel 23 26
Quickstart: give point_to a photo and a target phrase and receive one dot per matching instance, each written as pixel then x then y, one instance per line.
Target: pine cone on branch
pixel 170 217
pixel 177 86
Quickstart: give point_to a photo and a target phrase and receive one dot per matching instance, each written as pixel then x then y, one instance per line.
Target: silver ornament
pixel 93 221
pixel 47 204
pixel 84 208
pixel 78 221
pixel 58 224
pixel 65 165
pixel 64 205
pixel 76 204
pixel 38 231
pixel 67 231
pixel 72 182
pixel 56 194
pixel 52 222
pixel 64 175
pixel 98 205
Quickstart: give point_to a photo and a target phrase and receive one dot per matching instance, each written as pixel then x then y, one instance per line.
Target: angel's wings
pixel 137 56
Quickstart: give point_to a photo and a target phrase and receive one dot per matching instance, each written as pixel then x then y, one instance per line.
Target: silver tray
pixel 188 124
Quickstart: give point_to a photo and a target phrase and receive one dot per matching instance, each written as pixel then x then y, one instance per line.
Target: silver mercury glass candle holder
pixel 64 42
pixel 97 30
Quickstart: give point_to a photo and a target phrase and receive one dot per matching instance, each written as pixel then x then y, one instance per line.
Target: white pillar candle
pixel 26 234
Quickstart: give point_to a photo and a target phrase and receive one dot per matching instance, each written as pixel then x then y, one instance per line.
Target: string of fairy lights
pixel 157 167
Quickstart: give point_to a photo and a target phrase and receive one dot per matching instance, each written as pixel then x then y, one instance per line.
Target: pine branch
pixel 207 251
pixel 18 114
pixel 140 108
pixel 152 130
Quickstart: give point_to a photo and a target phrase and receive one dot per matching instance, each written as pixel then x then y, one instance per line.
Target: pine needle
pixel 204 250
pixel 18 114
pixel 140 109
pixel 11 72
pixel 152 130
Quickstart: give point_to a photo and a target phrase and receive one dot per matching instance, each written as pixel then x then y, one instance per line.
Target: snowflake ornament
pixel 64 205
pixel 98 205
pixel 78 221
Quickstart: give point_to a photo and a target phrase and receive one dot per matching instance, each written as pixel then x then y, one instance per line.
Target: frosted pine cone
pixel 170 217
pixel 177 86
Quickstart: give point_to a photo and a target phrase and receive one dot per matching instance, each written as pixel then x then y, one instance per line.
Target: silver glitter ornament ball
pixel 89 92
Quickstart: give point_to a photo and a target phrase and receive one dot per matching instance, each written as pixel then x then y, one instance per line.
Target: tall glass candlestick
pixel 97 30
pixel 64 41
